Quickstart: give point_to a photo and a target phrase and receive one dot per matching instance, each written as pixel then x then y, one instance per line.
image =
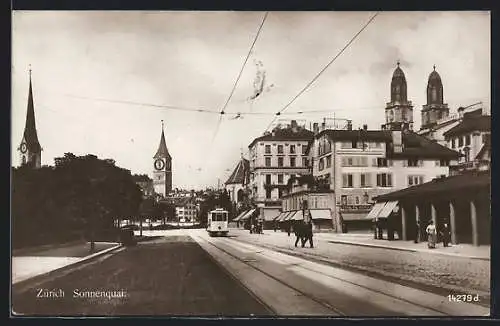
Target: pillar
pixel 417 221
pixel 403 222
pixel 433 214
pixel 473 217
pixel 453 224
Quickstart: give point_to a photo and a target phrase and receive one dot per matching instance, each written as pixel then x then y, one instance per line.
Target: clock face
pixel 23 148
pixel 159 164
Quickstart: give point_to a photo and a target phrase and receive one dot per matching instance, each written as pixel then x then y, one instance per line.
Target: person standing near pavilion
pixel 431 235
pixel 445 234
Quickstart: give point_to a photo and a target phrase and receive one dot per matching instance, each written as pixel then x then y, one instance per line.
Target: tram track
pixel 425 309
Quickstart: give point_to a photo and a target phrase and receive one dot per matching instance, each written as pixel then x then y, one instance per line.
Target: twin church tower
pixel 399 111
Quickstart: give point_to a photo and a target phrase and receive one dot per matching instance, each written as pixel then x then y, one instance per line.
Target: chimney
pixel 349 125
pixel 315 128
pixel 365 127
pixel 294 125
pixel 323 126
pixel 397 141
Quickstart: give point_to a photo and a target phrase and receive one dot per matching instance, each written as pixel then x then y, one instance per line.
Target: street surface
pixel 189 273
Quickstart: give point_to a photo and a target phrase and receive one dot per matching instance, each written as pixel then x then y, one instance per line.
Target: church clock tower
pixel 162 168
pixel 30 150
pixel 399 111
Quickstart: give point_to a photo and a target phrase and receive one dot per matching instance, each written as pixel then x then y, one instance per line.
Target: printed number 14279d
pixel 463 298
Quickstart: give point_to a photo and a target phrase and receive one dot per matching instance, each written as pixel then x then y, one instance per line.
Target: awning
pixel 237 218
pixel 386 211
pixel 354 216
pixel 320 214
pixel 375 210
pixel 271 213
pixel 247 215
pixel 277 218
pixel 287 216
pixel 298 216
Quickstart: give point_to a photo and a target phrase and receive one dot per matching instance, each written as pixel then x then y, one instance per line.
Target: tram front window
pixel 219 217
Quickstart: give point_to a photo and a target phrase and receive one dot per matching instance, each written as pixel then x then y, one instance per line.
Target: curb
pixel 21 285
pixel 22 251
pixel 406 249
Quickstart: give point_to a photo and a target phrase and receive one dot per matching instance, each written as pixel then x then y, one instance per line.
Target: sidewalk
pixel 367 240
pixel 38 262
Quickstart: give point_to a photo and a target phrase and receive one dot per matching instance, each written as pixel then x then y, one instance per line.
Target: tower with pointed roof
pixel 399 111
pixel 435 109
pixel 162 167
pixel 30 150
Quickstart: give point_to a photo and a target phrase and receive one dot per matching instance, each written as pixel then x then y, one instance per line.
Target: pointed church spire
pixel 30 134
pixel 162 151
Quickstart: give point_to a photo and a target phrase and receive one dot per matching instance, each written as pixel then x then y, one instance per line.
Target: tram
pixel 217 222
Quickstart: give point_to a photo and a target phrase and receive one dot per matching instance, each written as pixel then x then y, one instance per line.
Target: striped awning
pixel 286 216
pixel 320 214
pixel 277 218
pixel 375 210
pixel 298 216
pixel 388 208
pixel 237 218
pixel 247 215
pixel 270 214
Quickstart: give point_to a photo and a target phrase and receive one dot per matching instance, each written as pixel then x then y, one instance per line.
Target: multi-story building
pixel 186 210
pixel 274 157
pixel 471 137
pixel 361 164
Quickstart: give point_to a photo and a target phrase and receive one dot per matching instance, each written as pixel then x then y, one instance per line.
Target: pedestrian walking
pixel 299 231
pixel 308 235
pixel 445 235
pixel 431 235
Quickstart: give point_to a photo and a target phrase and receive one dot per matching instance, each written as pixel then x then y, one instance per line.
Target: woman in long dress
pixel 431 235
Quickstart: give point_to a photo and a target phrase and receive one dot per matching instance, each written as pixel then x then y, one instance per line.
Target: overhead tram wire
pixel 323 70
pixel 222 112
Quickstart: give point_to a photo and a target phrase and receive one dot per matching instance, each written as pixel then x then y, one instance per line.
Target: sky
pixel 192 60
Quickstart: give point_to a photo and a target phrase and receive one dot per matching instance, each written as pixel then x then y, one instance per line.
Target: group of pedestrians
pixel 432 234
pixel 303 232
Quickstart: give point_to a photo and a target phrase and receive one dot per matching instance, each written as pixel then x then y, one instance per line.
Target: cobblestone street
pixel 453 274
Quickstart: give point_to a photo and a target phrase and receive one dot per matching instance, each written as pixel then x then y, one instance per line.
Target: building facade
pixel 30 151
pixel 162 164
pixel 471 137
pixel 274 157
pixel 361 164
pixel 236 184
pixel 187 211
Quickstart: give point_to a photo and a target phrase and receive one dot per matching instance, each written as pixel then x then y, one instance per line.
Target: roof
pixel 30 134
pixel 398 73
pixel 414 145
pixel 285 134
pixel 162 151
pixel 470 122
pixel 434 76
pixel 469 181
pixel 240 172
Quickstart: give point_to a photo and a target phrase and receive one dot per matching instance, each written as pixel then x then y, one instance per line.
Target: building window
pixel 280 178
pixel 467 140
pixel 381 162
pixel 365 180
pixel 304 149
pixel 357 200
pixel 453 143
pixel 280 149
pixel 268 193
pixel 305 162
pixel 412 162
pixel 292 162
pixel 460 141
pixel 415 180
pixel 347 181
pixel 384 180
pixel 268 149
pixel 268 161
pixel 292 149
pixel 467 154
pixel 268 179
pixel 343 200
pixel 328 161
pixel 321 164
pixel 280 161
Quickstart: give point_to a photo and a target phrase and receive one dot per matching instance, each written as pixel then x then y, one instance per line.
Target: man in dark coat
pixel 308 234
pixel 298 229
